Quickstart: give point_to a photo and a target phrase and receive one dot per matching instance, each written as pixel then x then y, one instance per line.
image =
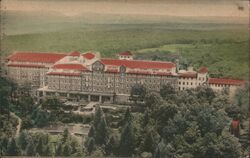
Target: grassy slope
pixel 224 50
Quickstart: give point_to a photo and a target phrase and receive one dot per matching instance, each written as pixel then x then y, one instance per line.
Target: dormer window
pixel 126 55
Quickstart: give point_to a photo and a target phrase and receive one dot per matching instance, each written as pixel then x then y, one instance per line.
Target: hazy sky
pixel 229 8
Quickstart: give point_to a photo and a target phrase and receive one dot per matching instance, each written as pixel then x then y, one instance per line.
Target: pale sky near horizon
pixel 141 7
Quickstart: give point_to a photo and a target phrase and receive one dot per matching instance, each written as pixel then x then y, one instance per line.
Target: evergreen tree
pixel 59 150
pixel 100 129
pixel 98 116
pixel 111 146
pixel 127 117
pixel 91 132
pixel 30 149
pixel 40 147
pixel 148 143
pixel 66 135
pixel 90 146
pixel 67 149
pixel 12 148
pixel 127 142
pixel 102 133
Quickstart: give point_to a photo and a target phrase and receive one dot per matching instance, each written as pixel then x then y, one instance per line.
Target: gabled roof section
pixel 203 70
pixel 78 67
pixel 36 57
pixel 138 64
pixel 127 53
pixel 75 54
pixel 225 81
pixel 88 55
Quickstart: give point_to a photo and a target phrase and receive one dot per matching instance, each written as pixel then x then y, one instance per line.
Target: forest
pixel 170 124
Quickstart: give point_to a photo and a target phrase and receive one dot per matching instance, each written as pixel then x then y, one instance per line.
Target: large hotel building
pixel 86 76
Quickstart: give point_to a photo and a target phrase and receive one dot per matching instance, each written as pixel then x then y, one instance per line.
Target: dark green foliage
pixel 52 104
pixel 138 93
pixel 127 142
pixel 101 128
pixel 67 149
pixel 90 145
pixel 3 145
pixel 153 99
pixel 102 135
pixel 41 118
pixel 98 116
pixel 59 149
pixel 205 93
pixel 66 135
pixel 31 150
pixel 40 148
pixel 126 118
pixel 23 139
pixel 12 148
pixel 111 146
pixel 5 91
pixel 91 132
pixel 167 91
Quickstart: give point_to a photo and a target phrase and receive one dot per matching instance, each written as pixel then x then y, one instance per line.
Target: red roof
pixel 203 70
pixel 75 54
pixel 164 73
pixel 225 81
pixel 79 67
pixel 188 74
pixel 127 53
pixel 64 73
pixel 88 55
pixel 112 70
pixel 138 64
pixel 36 57
pixel 26 65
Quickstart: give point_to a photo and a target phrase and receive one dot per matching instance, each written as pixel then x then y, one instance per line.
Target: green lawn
pixel 224 51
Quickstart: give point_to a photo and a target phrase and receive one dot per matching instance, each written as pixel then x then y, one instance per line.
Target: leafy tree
pixel 12 148
pixel 152 100
pixel 164 150
pixel 168 91
pixel 52 104
pixel 41 118
pixel 138 92
pixel 205 93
